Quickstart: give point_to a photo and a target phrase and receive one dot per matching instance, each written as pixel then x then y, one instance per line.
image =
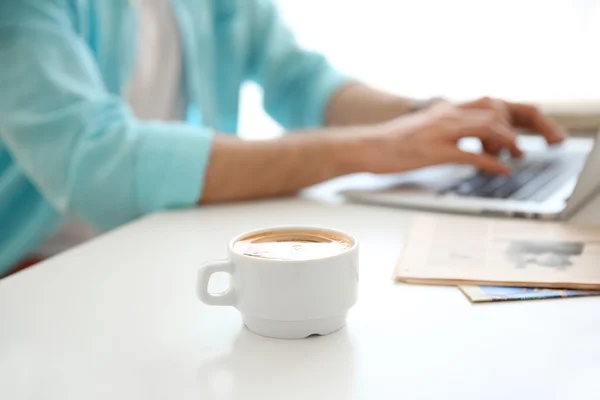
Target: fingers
pixel 491 148
pixel 487 103
pixel 522 116
pixel 531 118
pixel 482 161
pixel 493 131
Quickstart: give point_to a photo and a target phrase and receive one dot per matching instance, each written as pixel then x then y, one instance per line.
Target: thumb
pixel 482 161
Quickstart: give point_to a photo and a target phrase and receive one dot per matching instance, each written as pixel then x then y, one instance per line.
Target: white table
pixel 117 318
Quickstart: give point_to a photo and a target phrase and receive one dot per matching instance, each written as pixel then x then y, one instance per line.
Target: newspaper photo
pixel 461 250
pixel 486 294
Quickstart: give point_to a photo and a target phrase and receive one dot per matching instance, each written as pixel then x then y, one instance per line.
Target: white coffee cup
pixel 287 298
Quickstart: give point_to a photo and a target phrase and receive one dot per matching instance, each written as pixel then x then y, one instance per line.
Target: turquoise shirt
pixel 69 143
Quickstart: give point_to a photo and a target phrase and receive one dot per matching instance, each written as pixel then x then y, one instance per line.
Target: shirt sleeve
pixel 297 83
pixel 79 144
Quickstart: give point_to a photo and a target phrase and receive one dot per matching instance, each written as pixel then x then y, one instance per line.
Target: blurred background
pixel 528 50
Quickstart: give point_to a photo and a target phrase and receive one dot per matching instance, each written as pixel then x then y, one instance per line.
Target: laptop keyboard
pixel 530 180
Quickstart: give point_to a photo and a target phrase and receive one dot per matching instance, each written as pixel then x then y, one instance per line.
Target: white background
pixel 529 50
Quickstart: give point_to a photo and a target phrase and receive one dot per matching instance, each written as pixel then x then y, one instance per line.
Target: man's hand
pixel 519 116
pixel 430 137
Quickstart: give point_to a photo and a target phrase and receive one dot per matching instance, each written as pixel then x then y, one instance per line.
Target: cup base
pixel 295 329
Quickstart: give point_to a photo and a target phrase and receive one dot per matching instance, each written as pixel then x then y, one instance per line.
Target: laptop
pixel 549 182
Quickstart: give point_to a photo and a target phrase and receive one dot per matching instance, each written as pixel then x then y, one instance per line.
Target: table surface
pixel 117 318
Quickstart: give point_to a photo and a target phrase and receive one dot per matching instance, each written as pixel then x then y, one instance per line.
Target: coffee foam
pixel 293 245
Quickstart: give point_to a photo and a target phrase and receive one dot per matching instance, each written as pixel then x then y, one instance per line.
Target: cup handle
pixel 226 298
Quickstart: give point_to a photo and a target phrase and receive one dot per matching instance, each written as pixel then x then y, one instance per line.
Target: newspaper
pixel 459 250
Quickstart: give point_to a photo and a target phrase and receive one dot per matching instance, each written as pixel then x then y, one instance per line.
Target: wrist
pixel 419 105
pixel 354 151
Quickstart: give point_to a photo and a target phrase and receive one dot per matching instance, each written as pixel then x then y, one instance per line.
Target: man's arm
pixel 297 83
pixel 301 89
pixel 241 169
pixel 359 104
pixel 76 142
pixel 244 170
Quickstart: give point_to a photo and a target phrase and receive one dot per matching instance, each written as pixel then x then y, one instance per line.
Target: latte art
pixel 293 245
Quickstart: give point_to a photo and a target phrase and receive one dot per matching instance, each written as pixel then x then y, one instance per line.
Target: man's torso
pixel 201 44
